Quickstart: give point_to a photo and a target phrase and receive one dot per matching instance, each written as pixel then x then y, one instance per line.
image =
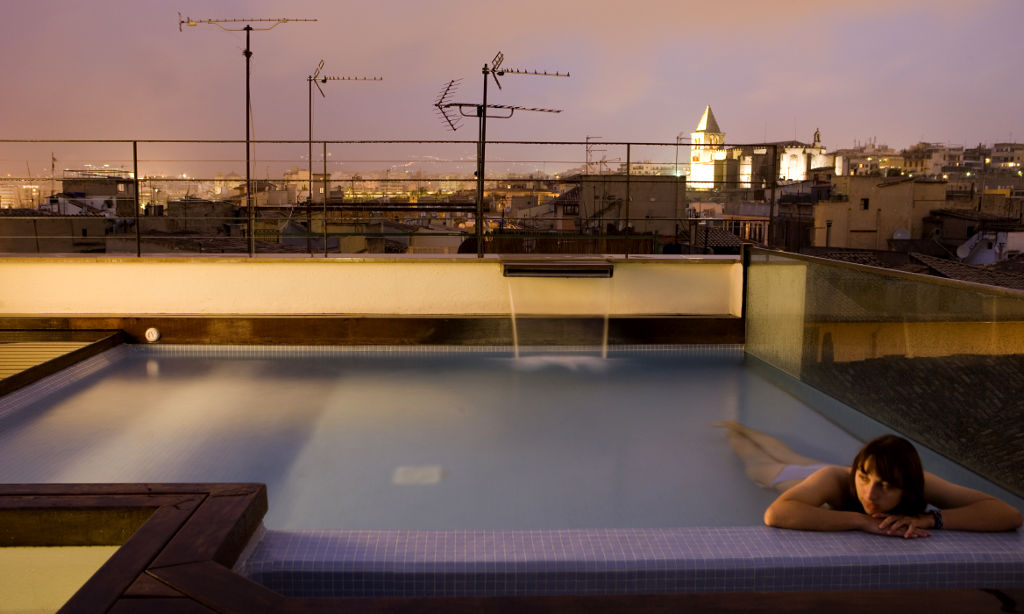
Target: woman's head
pixel 887 477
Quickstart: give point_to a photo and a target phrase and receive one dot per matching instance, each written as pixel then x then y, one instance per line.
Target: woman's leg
pixel 771 446
pixel 759 465
pixel 764 457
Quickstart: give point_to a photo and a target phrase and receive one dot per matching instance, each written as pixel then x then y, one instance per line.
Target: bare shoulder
pixel 826 485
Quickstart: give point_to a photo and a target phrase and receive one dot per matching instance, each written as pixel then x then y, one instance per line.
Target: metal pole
pixel 135 170
pixel 628 194
pixel 771 208
pixel 248 181
pixel 325 200
pixel 481 112
pixel 309 202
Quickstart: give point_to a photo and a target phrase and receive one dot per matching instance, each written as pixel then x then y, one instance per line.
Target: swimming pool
pixel 444 471
pixel 424 438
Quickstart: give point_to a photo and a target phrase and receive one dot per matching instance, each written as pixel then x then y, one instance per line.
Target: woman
pixel 884 491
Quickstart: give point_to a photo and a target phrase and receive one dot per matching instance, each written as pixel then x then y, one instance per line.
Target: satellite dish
pixel 901 234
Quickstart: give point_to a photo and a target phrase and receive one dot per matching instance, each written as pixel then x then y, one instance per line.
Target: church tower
pixel 706 147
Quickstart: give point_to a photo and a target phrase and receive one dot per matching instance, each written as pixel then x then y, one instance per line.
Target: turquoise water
pixel 425 440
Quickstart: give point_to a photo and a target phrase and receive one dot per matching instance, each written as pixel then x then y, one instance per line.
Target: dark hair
pixel 896 461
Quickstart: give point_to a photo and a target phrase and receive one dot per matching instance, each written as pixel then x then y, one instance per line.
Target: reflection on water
pixel 570 362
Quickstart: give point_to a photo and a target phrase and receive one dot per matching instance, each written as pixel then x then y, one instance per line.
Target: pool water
pixel 349 439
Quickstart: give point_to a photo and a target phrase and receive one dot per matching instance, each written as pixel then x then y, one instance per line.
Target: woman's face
pixel 875 494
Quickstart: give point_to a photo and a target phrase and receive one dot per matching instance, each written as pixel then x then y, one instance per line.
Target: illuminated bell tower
pixel 706 147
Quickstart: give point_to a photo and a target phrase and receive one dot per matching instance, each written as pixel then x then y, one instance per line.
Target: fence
pixel 148 197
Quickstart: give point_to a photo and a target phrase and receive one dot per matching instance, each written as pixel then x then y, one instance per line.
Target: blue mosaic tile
pixel 719 559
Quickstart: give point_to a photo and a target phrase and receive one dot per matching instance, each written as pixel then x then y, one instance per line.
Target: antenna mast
pixel 590 151
pixel 224 24
pixel 316 79
pixel 480 111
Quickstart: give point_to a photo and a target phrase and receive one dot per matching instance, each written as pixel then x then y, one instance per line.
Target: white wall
pixel 701 285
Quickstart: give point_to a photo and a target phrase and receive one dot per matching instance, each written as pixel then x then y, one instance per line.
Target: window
pixel 864 204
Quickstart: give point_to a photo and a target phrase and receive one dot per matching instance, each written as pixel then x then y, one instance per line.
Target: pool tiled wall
pixel 627 561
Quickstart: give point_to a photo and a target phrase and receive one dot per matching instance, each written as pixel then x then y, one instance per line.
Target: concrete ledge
pixel 696 286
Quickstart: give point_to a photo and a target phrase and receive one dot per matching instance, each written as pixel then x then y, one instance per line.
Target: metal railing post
pixel 326 194
pixel 248 164
pixel 629 171
pixel 138 222
pixel 309 203
pixel 772 207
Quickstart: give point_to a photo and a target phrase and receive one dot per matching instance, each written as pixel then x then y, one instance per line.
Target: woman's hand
pixel 908 527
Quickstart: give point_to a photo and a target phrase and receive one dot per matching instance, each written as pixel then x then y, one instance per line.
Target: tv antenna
pixel 481 111
pixel 227 25
pixel 590 151
pixel 316 79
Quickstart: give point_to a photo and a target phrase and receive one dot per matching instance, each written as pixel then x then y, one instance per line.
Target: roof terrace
pixel 937 360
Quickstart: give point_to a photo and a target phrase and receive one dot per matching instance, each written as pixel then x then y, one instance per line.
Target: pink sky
pixel 897 70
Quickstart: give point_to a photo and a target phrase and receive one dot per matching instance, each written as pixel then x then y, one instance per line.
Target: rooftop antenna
pixel 590 151
pixel 480 111
pixel 227 25
pixel 316 79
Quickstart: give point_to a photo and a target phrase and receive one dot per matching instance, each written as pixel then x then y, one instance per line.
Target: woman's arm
pixel 967 509
pixel 800 507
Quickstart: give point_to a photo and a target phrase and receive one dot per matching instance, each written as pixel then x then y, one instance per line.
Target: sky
pixel 896 71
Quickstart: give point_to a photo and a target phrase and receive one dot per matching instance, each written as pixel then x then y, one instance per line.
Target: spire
pixel 708 122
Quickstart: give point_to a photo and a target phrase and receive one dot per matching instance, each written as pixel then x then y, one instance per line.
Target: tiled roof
pixel 865 258
pixel 974 419
pixel 714 237
pixel 569 197
pixel 971 273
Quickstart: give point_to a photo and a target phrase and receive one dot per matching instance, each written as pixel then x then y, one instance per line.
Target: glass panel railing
pixel 938 360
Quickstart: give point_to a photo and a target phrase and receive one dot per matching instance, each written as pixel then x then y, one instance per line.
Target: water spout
pixel 566 304
pixel 512 314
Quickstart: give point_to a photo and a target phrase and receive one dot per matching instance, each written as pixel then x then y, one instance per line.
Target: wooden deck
pixel 22 355
pixel 30 355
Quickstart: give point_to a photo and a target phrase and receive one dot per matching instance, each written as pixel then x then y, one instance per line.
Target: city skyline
pixel 897 72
